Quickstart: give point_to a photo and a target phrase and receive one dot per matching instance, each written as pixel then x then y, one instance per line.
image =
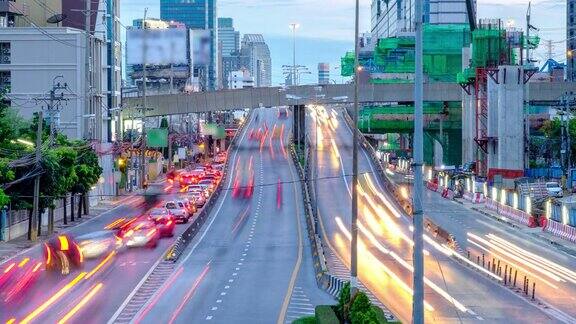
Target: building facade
pixel 571 39
pixel 257 59
pixel 228 36
pixel 240 79
pixel 323 73
pixel 390 18
pixel 198 14
pixel 32 61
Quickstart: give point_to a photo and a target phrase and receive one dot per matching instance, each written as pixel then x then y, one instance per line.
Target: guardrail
pixel 182 242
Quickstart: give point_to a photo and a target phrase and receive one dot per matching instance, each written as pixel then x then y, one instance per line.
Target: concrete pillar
pixel 492 121
pixel 468 117
pixel 511 117
pixel 438 154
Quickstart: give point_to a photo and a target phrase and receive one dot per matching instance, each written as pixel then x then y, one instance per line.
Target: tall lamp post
pixel 354 224
pixel 293 27
pixel 418 258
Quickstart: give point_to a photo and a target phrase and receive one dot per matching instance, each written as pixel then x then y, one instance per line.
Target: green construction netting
pixel 394 57
pixel 347 64
pixel 489 47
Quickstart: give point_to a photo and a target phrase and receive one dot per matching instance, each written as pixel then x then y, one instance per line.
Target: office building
pixel 197 15
pixel 257 59
pixel 240 79
pixel 391 18
pixel 571 39
pixel 24 13
pixel 323 73
pixel 228 36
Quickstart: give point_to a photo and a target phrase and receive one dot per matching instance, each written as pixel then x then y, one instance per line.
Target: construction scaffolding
pixel 492 46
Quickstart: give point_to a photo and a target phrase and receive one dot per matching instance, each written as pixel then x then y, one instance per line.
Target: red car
pixel 165 222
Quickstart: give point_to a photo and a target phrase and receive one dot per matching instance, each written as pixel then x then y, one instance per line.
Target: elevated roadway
pixel 161 105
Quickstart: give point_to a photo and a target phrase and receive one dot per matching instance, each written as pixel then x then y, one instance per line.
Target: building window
pixel 5 80
pixel 4 53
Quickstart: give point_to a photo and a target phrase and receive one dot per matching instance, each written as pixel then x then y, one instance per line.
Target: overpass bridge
pixel 222 100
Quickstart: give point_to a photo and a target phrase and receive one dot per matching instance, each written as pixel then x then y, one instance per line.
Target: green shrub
pixel 305 320
pixel 379 314
pixel 344 301
pixel 361 311
pixel 325 314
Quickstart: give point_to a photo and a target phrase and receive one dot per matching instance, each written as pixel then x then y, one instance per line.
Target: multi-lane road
pixel 251 261
pixel 453 292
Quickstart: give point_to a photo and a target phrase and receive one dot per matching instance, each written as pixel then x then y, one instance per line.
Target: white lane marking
pixel 208 317
pixel 230 280
pixel 235 274
pixel 232 163
pixel 214 308
pixel 127 300
pixel 219 301
pixel 226 287
pixel 223 293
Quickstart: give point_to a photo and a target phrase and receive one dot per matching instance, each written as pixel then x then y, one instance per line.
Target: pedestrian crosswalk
pixel 300 306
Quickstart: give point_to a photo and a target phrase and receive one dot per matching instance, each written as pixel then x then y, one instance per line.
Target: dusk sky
pixel 327 27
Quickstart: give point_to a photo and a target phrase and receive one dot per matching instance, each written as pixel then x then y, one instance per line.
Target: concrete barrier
pixel 516 215
pixel 474 197
pixel 561 230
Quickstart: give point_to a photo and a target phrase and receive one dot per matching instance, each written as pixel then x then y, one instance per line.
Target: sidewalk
pixel 548 239
pixel 20 244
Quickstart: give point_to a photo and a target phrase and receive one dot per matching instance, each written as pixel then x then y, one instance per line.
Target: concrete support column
pixel 492 126
pixel 511 117
pixel 468 128
pixel 299 124
pixel 438 154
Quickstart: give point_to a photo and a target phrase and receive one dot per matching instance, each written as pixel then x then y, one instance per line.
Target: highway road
pixel 550 268
pixel 53 296
pixel 453 292
pixel 251 263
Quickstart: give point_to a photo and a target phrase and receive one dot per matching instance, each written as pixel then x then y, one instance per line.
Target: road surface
pixel 453 292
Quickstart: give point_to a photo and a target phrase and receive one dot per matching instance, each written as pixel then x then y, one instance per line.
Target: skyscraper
pixel 323 73
pixel 197 14
pixel 571 39
pixel 393 17
pixel 228 36
pixel 257 59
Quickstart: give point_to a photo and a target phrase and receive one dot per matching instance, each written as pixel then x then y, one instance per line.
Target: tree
pixel 88 171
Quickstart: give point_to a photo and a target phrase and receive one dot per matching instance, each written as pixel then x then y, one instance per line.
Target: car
pixel 201 188
pixel 210 184
pixel 62 252
pixel 178 210
pixel 189 204
pixel 96 244
pixel 187 179
pixel 141 233
pixel 165 223
pixel 554 190
pixel 199 198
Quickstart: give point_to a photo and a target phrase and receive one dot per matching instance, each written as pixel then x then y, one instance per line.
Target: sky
pixel 327 26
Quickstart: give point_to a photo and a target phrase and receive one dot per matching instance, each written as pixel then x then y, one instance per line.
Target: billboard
pixel 165 46
pixel 200 43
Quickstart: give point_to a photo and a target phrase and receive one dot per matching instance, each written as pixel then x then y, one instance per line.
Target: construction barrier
pixel 561 230
pixel 432 185
pixel 517 215
pixel 447 193
pixel 474 197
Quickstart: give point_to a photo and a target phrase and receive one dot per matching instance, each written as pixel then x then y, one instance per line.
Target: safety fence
pixel 515 214
pixel 561 230
pixel 474 197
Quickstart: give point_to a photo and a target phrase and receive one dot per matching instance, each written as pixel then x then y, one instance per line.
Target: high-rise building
pixel 396 17
pixel 257 59
pixel 323 73
pixel 198 14
pixel 228 36
pixel 571 39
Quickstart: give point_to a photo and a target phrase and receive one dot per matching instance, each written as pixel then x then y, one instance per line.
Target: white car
pixel 554 190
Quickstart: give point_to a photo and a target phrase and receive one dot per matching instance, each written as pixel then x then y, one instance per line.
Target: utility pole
pixel 354 225
pixel 53 103
pixel 418 162
pixel 144 102
pixel 527 93
pixel 88 86
pixel 33 235
pixel 294 26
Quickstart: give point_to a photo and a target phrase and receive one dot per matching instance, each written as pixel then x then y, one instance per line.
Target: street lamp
pixel 293 27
